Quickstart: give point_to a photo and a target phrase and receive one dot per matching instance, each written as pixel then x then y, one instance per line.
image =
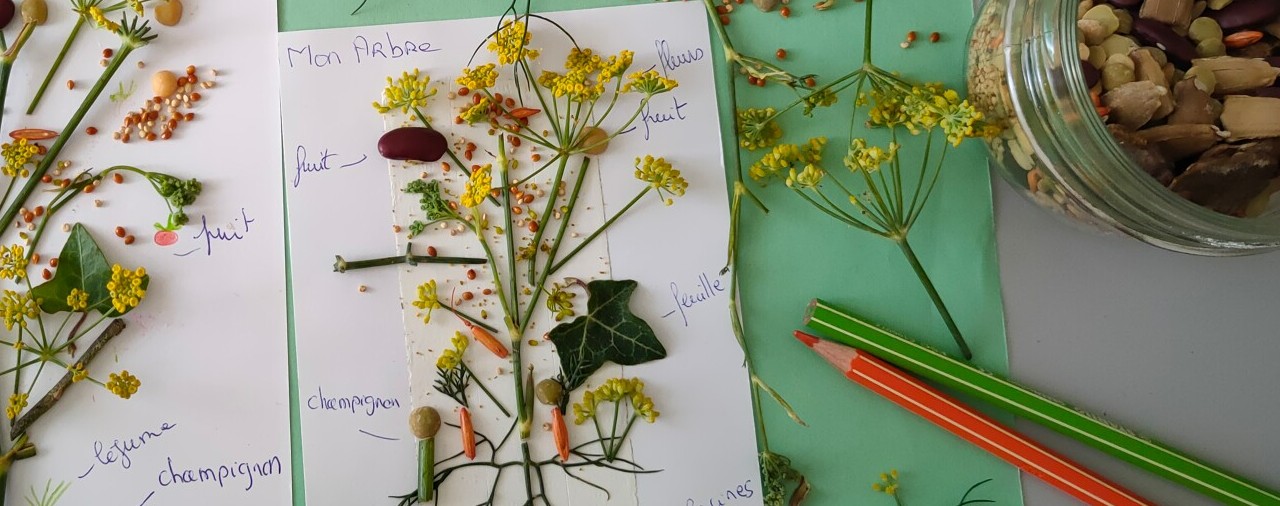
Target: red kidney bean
pixel 1160 35
pixel 1272 92
pixel 1091 75
pixel 412 143
pixel 1242 13
pixel 6 12
pixel 1274 61
pixel 1127 4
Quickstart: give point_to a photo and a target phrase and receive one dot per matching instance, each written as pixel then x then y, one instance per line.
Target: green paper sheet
pixel 794 253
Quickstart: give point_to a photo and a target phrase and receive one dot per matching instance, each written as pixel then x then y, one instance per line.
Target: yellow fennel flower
pixel 479 78
pixel 477 187
pixel 810 177
pixel 78 299
pixel 661 177
pixel 17 154
pixel 649 82
pixel 868 158
pixel 123 384
pixel 784 157
pixel 452 357
pixel 136 5
pixel 16 403
pixel 100 18
pixel 126 288
pixel 427 300
pixel 511 41
pixel 409 91
pixel 13 262
pixel 757 129
pixel 478 112
pixel 17 308
pixel 78 372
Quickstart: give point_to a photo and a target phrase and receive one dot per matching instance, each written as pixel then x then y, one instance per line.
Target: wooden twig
pixel 40 408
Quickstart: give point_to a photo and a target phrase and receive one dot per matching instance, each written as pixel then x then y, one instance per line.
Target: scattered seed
pixel 487 291
pixel 785 12
pixel 46 179
pixel 781 54
pixel 935 37
pixel 128 239
pixel 471 274
pixel 120 232
pixel 91 130
pixel 468 295
pixel 911 36
pixel 46 274
pixel 35 258
pixel 431 251
pixel 141 64
pixel 39 210
pixel 66 227
pixel 53 262
pixel 362 288
pixel 117 177
pixel 96 203
pixel 71 84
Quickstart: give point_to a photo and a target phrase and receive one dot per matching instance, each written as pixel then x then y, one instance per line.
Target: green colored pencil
pixel 1153 456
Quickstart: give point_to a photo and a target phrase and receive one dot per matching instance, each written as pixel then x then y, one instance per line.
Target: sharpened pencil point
pixel 807 339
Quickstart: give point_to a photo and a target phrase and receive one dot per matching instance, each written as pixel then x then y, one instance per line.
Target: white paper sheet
pixel 704 442
pixel 208 341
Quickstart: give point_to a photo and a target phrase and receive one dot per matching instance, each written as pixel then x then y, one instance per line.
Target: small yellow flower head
pixel 17 309
pixel 862 157
pixel 810 177
pixel 123 384
pixel 482 77
pixel 649 82
pixel 452 357
pixel 661 176
pixel 560 301
pixel 757 129
pixel 822 98
pixel 888 483
pixel 16 155
pixel 125 287
pixel 78 299
pixel 642 406
pixel 585 410
pixel 427 300
pixel 478 187
pixel 13 262
pixel 478 112
pixel 886 108
pixel 784 157
pixel 409 91
pixel 961 121
pixel 511 43
pixel 136 5
pixel 78 373
pixel 101 20
pixel 616 65
pixel 16 403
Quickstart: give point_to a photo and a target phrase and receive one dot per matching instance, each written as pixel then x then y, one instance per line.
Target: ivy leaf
pixel 81 264
pixel 609 332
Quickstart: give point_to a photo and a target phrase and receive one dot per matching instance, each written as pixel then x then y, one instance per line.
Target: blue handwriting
pixel 119 450
pixel 730 495
pixel 673 113
pixel 245 471
pixel 314 59
pixel 361 46
pixel 671 61
pixel 303 165
pixel 217 234
pixel 367 403
pixel 705 290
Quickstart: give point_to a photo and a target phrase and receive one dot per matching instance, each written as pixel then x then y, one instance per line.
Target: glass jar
pixel 1057 151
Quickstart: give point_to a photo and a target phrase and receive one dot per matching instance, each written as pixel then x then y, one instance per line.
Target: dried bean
pixel 1242 13
pixel 412 143
pixel 1160 35
pixel 7 10
pixel 169 12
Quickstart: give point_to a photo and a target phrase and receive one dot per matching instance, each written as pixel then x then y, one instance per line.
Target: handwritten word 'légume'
pixel 363 49
pixel 730 495
pixel 674 60
pixel 706 289
pixel 367 403
pixel 118 451
pixel 221 474
pixel 304 165
pixel 218 234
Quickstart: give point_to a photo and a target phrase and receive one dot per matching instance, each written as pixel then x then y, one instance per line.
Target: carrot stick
pixel 561 433
pixel 468 433
pixel 493 344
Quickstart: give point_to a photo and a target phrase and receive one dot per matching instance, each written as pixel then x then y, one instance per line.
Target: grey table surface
pixel 1179 348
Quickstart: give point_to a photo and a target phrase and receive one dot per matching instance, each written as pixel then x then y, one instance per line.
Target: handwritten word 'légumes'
pixel 118 451
pixel 673 60
pixel 367 403
pixel 303 165
pixel 363 49
pixel 243 471
pixel 218 234
pixel 730 495
pixel 705 290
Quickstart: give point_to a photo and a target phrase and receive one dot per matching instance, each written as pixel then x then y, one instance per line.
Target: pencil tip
pixel 807 339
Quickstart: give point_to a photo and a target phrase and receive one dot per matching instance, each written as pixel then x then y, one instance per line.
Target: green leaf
pixel 609 332
pixel 81 264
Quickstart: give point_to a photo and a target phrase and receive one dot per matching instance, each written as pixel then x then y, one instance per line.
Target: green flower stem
pixel 493 266
pixel 555 245
pixel 57 63
pixel 486 390
pixel 582 149
pixel 22 423
pixel 607 223
pixel 426 469
pixel 469 318
pixel 915 214
pixel 11 53
pixel 933 295
pixel 547 213
pixel 533 83
pixel 67 133
pixel 342 265
pixel 866 35
pixel 5 67
pixel 504 175
pixel 617 444
pixel 535 173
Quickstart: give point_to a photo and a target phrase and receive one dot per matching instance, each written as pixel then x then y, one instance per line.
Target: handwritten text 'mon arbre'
pixel 363 49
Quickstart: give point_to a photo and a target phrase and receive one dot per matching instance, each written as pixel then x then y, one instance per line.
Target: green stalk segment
pixel 426 469
pixel 1147 454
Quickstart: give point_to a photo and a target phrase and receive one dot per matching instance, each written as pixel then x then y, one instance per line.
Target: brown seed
pixel 39 210
pixel 533 226
pixel 517 209
pixel 536 157
pixel 463 91
pixel 195 97
pixel 91 130
pixel 487 291
pixel 911 36
pixel 117 177
pixel 46 274
pixel 35 258
pixel 46 179
pixel 28 217
pixel 53 262
pixel 468 295
pixel 781 54
pixel 362 288
pixel 89 188
pixel 431 251
pixel 191 70
pixel 128 239
pixel 120 232
pixel 935 36
pixel 471 274
pixel 527 199
pixel 165 135
pixel 71 85
pixel 515 141
pixel 189 116
pixel 107 52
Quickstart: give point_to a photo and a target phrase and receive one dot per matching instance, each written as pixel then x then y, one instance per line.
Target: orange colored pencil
pixel 972 426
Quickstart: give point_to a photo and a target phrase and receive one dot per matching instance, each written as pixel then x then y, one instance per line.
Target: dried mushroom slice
pixel 1143 153
pixel 1227 177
